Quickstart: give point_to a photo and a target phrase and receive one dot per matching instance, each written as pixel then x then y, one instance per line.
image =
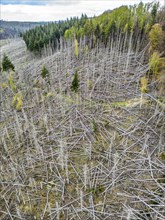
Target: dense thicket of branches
pixel 96 154
pixel 136 20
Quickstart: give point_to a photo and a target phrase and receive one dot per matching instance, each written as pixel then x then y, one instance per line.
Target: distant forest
pixel 11 29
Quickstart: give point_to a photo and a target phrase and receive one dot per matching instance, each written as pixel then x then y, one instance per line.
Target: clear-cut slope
pixel 97 154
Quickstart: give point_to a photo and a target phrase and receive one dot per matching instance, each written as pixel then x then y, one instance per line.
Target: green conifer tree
pixel 75 82
pixel 7 64
pixel 154 11
pixel 44 72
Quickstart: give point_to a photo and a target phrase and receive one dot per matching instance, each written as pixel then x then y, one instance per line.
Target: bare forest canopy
pixel 136 20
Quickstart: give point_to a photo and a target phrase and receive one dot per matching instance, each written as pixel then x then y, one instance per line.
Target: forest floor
pixel 96 154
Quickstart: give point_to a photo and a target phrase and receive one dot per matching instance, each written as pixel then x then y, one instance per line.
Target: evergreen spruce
pixel 75 82
pixel 154 11
pixel 44 72
pixel 7 64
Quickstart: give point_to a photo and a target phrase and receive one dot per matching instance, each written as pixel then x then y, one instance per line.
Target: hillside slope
pixel 95 154
pixel 12 29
